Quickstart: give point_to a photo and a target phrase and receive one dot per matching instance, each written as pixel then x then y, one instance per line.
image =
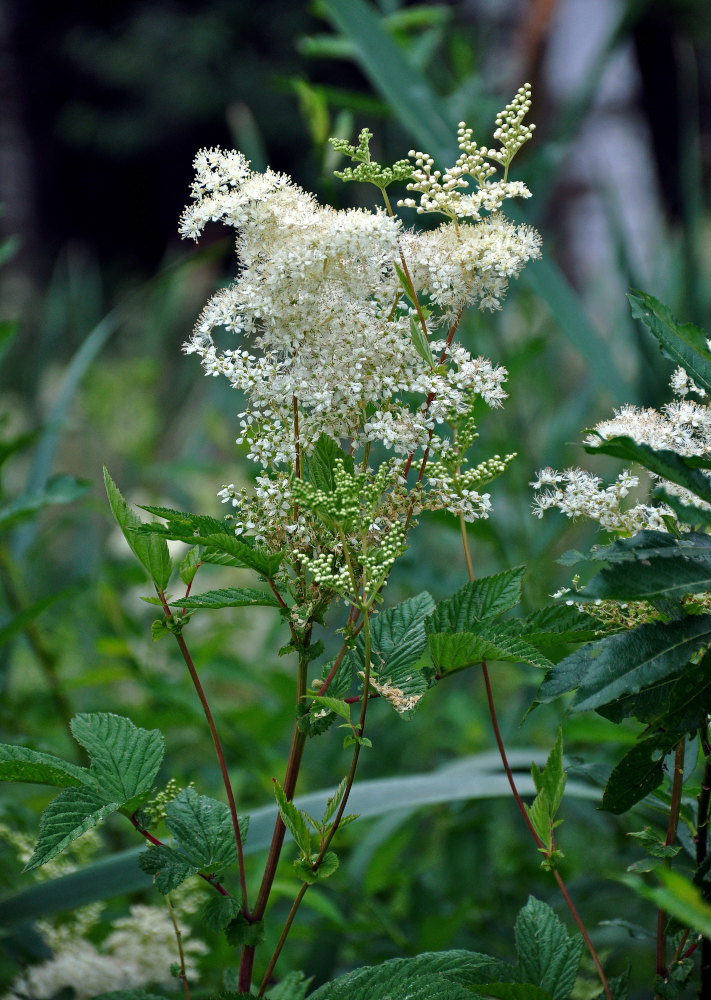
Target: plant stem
pixel 298 739
pixel 220 759
pixel 519 801
pixel 341 808
pixel 179 938
pixel 702 836
pixel 674 807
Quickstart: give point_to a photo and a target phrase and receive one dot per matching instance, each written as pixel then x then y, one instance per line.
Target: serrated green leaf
pixel 559 623
pixel 200 529
pixel 397 636
pixel 229 597
pixel 539 813
pixel 640 772
pixel 397 642
pixel 23 764
pixel 679 704
pixel 455 651
pixel 321 463
pixel 478 601
pixel 169 868
pixel 547 956
pixel 682 342
pixel 293 820
pixel 203 828
pixel 159 629
pixel 553 777
pixel 150 551
pixel 66 818
pixel 124 758
pixel 218 911
pixel 627 662
pixel 240 932
pixel 424 977
pixel 654 844
pixel 292 987
pixel 679 568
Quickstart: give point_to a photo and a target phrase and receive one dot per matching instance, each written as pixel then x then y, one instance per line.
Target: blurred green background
pixel 102 110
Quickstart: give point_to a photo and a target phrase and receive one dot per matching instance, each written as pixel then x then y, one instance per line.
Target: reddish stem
pixel 220 759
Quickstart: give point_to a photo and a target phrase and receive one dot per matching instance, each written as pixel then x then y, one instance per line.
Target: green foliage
pixel 684 343
pixel 547 967
pixel 228 597
pixel 550 784
pixel 321 463
pixel 152 553
pixel 397 643
pixel 216 537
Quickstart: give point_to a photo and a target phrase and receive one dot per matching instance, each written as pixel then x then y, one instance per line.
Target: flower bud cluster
pixel 448 193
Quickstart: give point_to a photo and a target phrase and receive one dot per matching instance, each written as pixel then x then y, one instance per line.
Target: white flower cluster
pixel 682 426
pixel 138 952
pixel 578 493
pixel 470 265
pixel 326 341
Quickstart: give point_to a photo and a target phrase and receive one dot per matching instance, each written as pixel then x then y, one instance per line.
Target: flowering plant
pixel 359 410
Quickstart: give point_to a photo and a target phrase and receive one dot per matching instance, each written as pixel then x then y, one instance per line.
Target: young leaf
pixel 169 868
pixel 305 871
pixel 552 778
pixel 320 464
pixel 23 764
pixel 334 801
pixel 150 551
pixel 420 341
pixel 293 820
pixel 72 813
pixel 124 758
pixel 547 957
pixel 292 987
pixel 683 343
pixel 480 600
pixel 189 565
pixel 335 705
pixel 228 597
pixel 203 828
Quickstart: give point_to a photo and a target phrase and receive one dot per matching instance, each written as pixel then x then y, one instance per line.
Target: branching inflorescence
pixel 339 313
